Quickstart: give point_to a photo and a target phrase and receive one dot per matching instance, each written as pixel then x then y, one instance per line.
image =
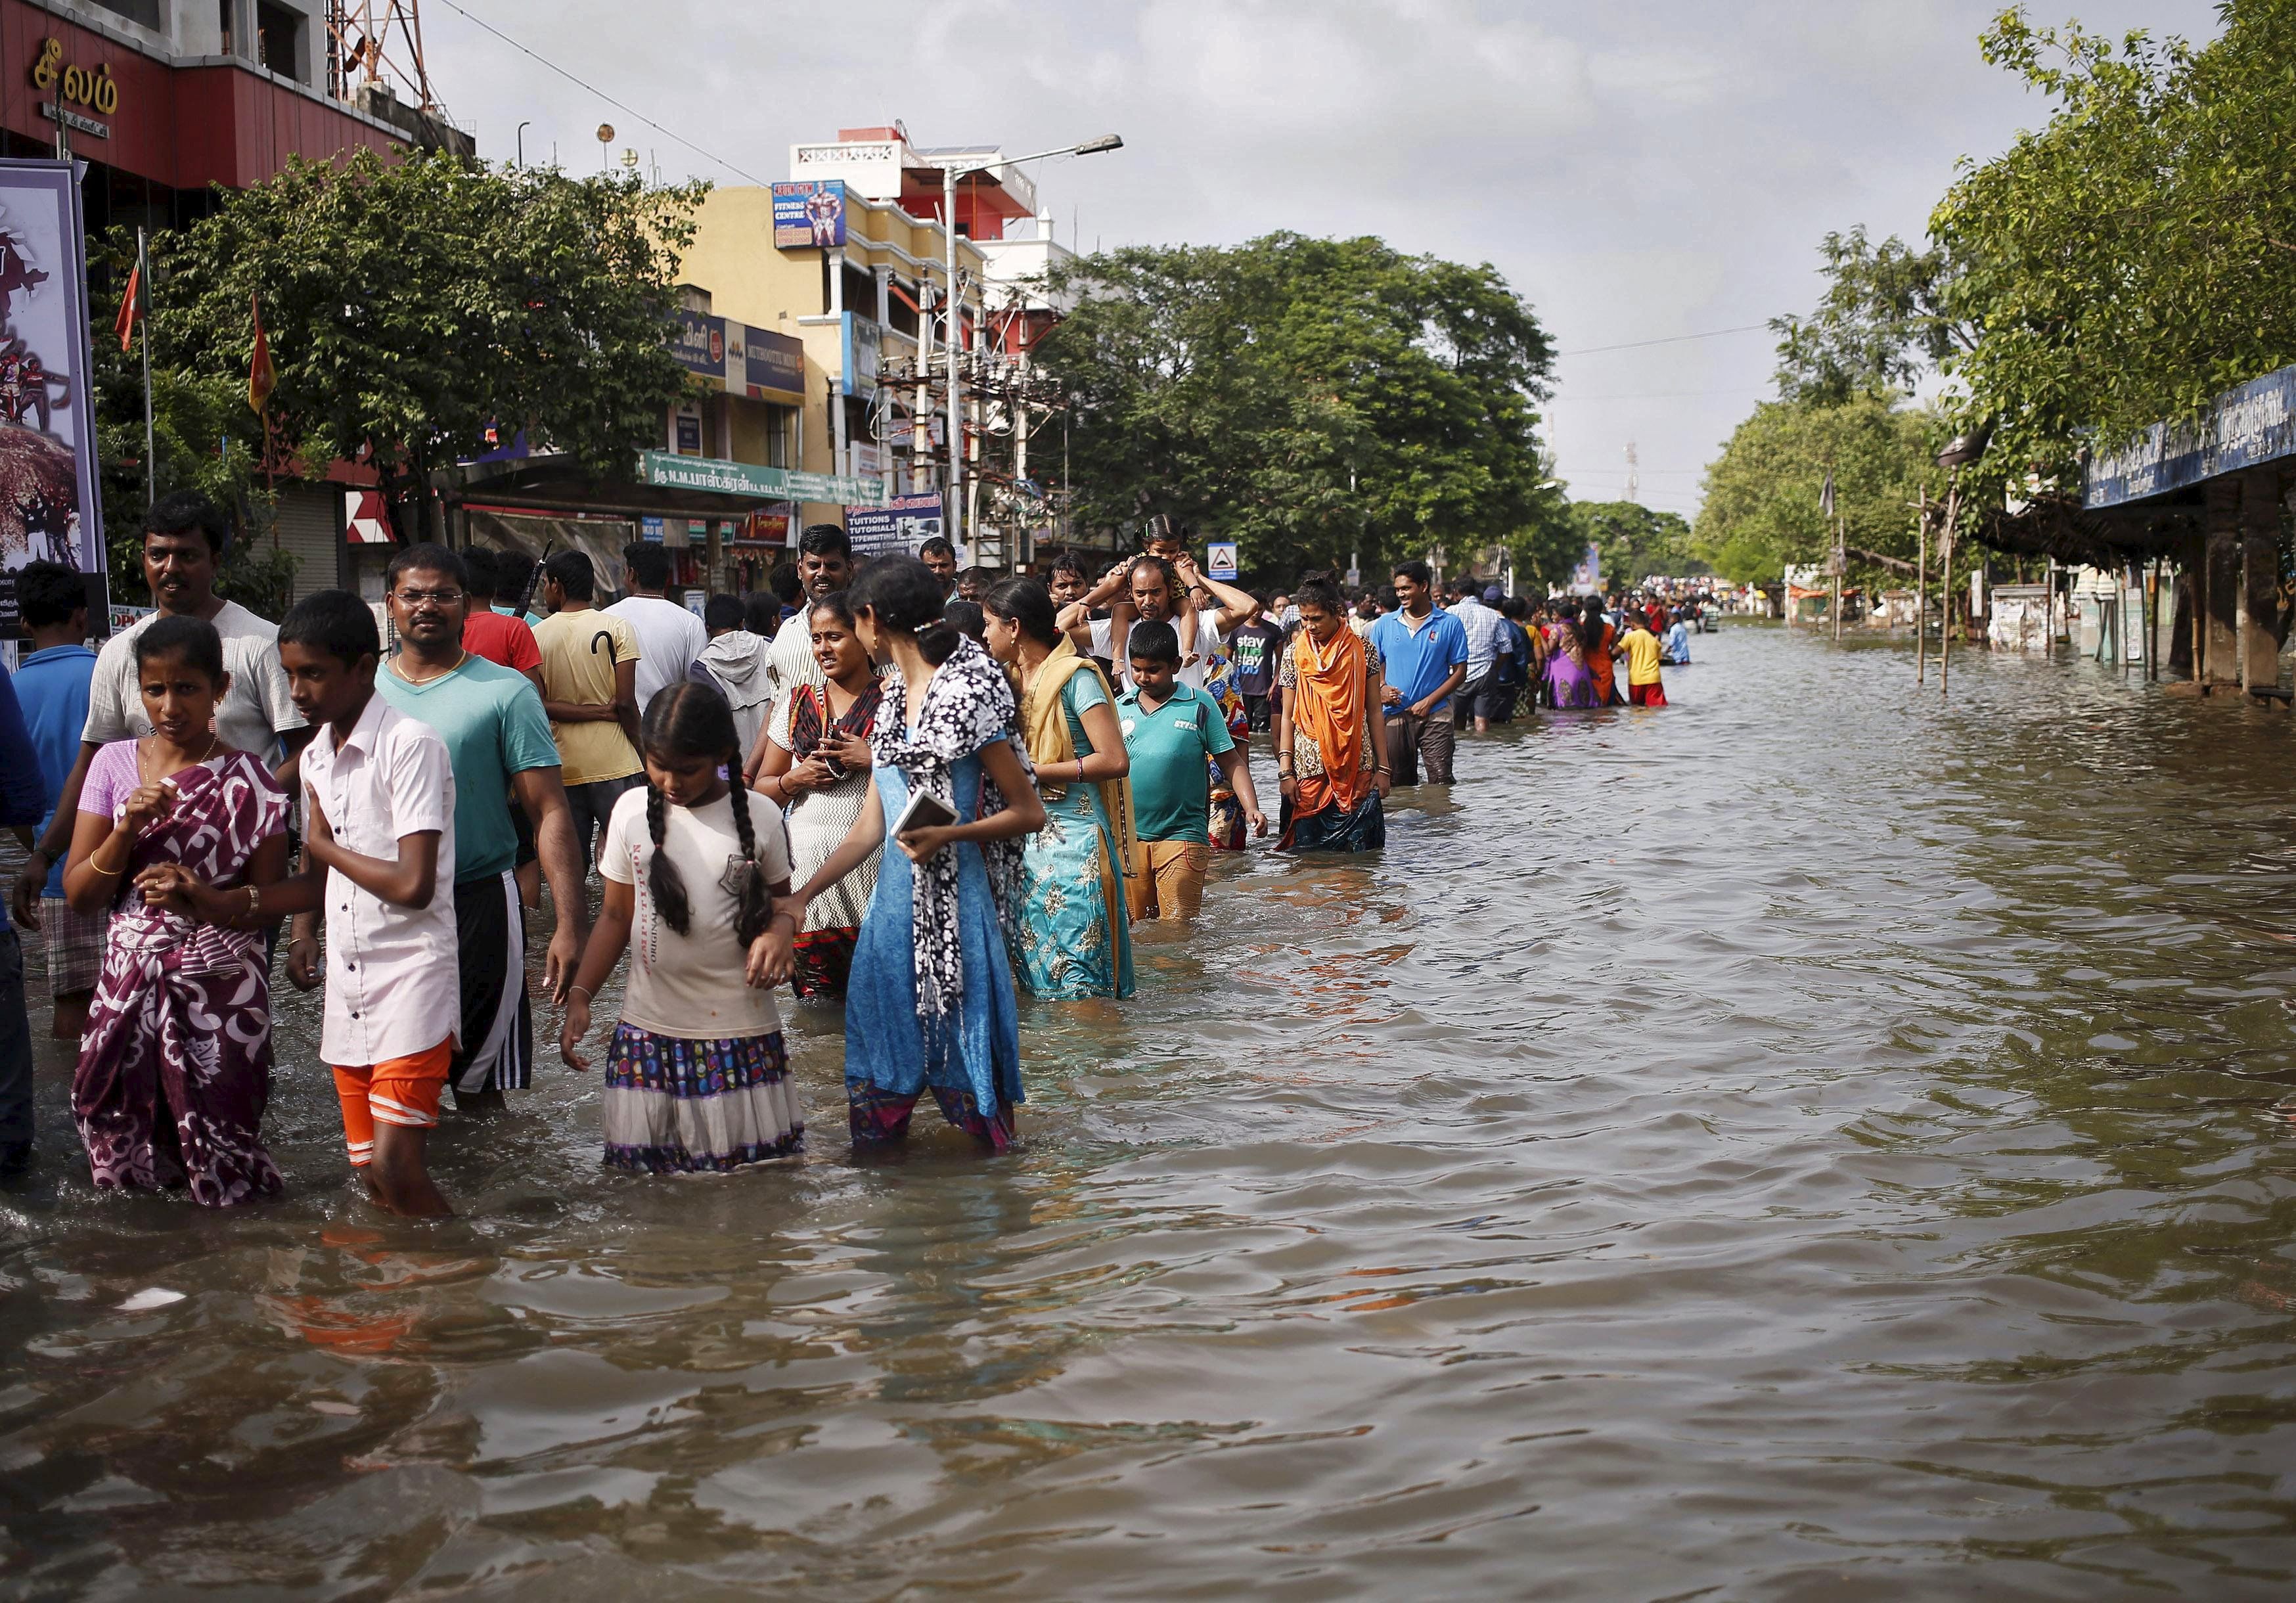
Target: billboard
pixel 864 352
pixel 1587 578
pixel 49 505
pixel 810 214
pixel 901 524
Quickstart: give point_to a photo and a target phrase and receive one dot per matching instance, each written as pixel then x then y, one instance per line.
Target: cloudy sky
pixel 1639 171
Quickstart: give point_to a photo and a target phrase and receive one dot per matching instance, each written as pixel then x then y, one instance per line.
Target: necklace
pixel 142 752
pixel 396 667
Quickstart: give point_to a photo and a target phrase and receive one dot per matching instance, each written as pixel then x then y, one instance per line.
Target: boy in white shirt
pixel 380 856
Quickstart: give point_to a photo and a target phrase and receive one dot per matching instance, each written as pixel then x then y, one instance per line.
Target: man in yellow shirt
pixel 590 689
pixel 1641 649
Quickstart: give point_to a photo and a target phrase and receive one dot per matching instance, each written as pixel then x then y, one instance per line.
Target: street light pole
pixel 949 178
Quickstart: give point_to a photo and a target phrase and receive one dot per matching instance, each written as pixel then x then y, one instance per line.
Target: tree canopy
pixel 2136 255
pixel 1306 399
pixel 1635 541
pixel 1761 508
pixel 411 304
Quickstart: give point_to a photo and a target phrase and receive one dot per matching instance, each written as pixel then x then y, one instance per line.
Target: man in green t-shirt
pixel 1170 729
pixel 499 743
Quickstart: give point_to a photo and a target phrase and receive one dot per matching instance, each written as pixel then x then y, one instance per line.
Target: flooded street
pixel 1802 1139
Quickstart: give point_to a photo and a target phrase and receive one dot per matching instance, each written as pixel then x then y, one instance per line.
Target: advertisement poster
pixel 901 524
pixel 863 353
pixel 1587 578
pixel 48 488
pixel 809 213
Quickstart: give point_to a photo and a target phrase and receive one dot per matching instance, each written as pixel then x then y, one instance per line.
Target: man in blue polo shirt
pixel 1425 652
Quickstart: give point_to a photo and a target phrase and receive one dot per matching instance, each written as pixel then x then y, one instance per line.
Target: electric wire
pixel 622 106
pixel 1588 350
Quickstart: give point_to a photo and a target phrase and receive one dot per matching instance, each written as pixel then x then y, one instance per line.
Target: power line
pixel 602 95
pixel 1588 350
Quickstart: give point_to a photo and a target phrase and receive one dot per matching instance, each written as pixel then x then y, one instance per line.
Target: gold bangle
pixel 584 989
pixel 106 873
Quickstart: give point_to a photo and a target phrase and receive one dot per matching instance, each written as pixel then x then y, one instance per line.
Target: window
pixel 898 312
pixel 143 12
pixel 860 293
pixel 279 39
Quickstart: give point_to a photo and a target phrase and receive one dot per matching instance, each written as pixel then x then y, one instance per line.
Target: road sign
pixel 1220 559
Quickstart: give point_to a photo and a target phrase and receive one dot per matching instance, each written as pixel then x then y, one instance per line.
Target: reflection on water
pixel 1804 1138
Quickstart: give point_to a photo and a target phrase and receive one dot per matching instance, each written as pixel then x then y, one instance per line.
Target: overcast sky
pixel 1636 170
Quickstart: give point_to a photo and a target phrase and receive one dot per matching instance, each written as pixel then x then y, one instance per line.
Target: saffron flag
pixel 131 310
pixel 262 379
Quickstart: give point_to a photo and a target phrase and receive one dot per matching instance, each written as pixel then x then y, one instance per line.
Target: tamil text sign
pixel 747 479
pixel 2244 427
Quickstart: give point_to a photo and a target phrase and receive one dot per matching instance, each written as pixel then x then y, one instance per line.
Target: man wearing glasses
pixel 498 741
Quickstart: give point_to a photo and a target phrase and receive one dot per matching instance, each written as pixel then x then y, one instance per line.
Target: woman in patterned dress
pixel 1331 737
pixel 816 762
pixel 176 833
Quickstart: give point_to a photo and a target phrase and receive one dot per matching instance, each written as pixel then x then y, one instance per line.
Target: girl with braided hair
pixel 696 1076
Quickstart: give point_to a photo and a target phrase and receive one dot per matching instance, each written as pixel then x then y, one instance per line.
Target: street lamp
pixel 949 176
pixel 1963 451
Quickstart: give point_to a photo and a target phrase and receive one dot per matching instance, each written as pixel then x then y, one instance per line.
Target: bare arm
pixel 609 937
pixel 1451 681
pixel 542 793
pixel 1109 759
pixel 1236 767
pixel 1023 812
pixel 291 742
pixel 867 833
pixel 625 700
pixel 55 844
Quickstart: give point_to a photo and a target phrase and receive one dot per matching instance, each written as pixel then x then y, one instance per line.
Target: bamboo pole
pixel 1922 594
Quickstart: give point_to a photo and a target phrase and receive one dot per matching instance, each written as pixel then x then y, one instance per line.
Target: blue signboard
pixel 776 363
pixel 651 529
pixel 2243 428
pixel 701 344
pixel 901 524
pixel 862 348
pixel 809 213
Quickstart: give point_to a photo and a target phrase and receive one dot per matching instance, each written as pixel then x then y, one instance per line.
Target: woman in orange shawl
pixel 1330 737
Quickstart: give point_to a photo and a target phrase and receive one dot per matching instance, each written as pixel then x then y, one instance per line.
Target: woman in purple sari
pixel 1567 673
pixel 174 1068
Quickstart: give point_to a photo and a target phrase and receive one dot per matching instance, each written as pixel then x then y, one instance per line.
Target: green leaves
pixel 1761 495
pixel 2130 259
pixel 410 305
pixel 1240 391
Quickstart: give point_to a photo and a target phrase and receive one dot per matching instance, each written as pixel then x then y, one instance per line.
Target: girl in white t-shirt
pixel 696 1077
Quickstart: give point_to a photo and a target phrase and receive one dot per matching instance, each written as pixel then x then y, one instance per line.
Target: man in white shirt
pixel 184 539
pixel 824 566
pixel 1200 610
pixel 380 853
pixel 669 637
pixel 1484 624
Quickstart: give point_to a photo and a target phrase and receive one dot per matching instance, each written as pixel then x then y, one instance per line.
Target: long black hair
pixel 686 722
pixel 1027 605
pixel 903 595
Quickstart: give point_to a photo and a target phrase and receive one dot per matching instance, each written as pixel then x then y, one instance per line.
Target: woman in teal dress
pixel 930 1003
pixel 1070 934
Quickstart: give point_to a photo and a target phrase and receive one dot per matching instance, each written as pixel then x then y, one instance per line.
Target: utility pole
pixel 955 348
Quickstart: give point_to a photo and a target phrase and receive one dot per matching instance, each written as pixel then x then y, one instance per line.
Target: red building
pixel 166 100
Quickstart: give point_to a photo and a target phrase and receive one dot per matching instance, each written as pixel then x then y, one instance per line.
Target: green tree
pixel 412 304
pixel 1305 398
pixel 1883 322
pixel 1761 509
pixel 2137 254
pixel 1635 541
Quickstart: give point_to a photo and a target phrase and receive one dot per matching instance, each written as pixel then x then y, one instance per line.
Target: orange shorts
pixel 404 1090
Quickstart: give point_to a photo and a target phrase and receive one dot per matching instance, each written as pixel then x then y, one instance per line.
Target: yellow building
pixel 852 303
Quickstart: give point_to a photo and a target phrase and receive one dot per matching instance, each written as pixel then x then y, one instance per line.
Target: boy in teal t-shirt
pixel 1170 729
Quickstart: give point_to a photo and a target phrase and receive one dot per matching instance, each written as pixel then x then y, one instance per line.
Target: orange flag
pixel 262 379
pixel 131 310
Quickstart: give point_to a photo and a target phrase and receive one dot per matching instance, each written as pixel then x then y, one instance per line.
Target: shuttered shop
pixel 311 530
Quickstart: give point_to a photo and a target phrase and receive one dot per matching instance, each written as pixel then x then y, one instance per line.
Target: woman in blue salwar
pixel 1070 934
pixel 930 1005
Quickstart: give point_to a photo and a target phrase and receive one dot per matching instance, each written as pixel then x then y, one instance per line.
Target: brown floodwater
pixel 1805 1139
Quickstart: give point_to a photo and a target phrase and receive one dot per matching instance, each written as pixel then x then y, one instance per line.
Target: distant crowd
pixel 1051 761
